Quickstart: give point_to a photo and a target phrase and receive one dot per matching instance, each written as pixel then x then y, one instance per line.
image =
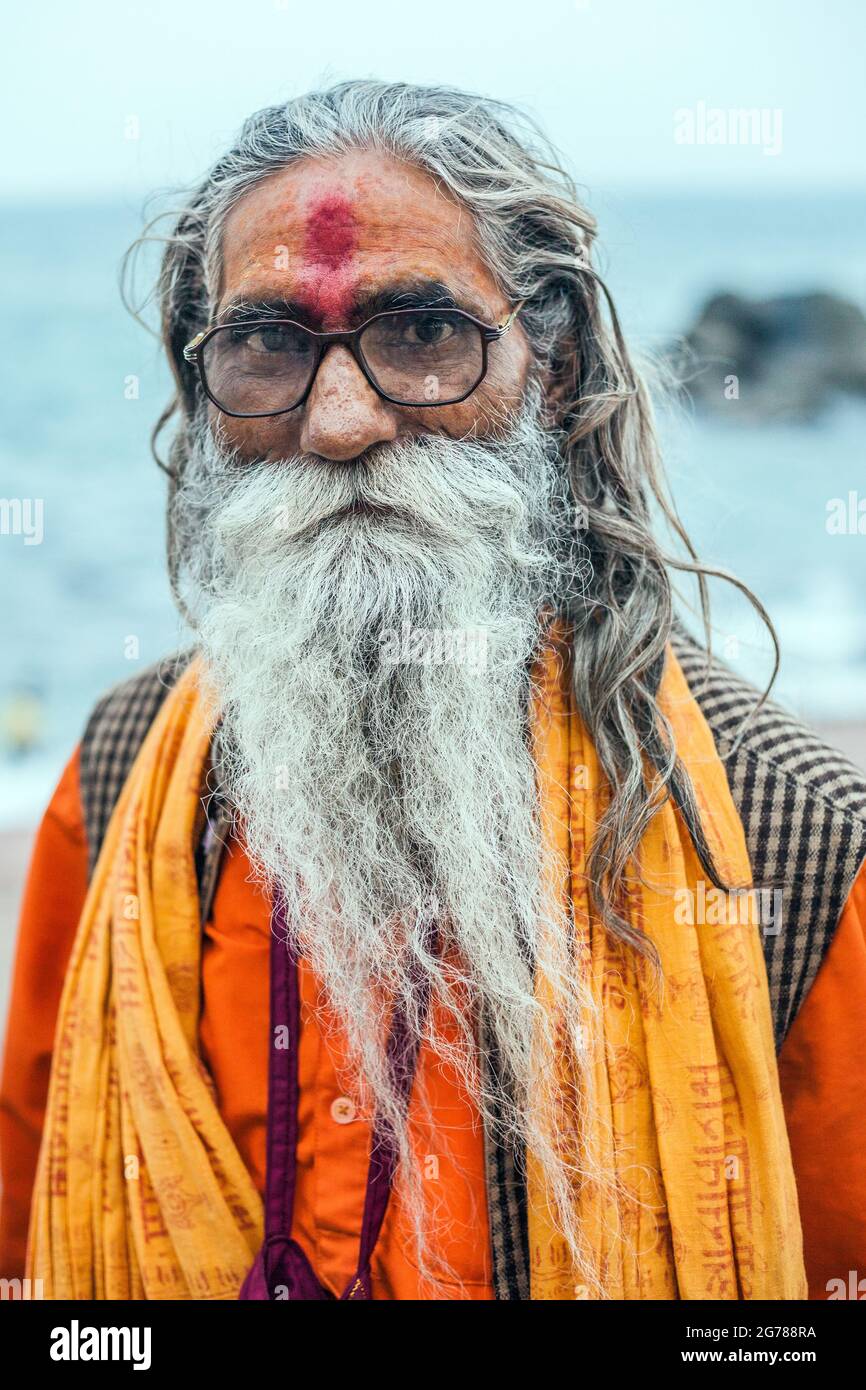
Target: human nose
pixel 343 415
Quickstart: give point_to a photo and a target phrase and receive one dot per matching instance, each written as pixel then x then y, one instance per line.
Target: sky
pixel 106 99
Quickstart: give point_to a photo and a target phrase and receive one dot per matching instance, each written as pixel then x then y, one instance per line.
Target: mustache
pixel 425 488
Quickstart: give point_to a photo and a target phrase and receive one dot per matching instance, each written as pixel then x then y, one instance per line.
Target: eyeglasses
pixel 415 357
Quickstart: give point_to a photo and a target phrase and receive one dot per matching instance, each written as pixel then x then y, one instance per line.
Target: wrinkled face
pixel 333 241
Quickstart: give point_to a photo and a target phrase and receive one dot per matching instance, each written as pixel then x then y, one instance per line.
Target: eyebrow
pixel 418 293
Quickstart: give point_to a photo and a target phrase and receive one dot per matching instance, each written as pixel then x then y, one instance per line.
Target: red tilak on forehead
pixel 330 231
pixel 329 240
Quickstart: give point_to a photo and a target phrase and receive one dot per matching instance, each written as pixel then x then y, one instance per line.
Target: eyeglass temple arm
pixel 192 346
pixel 503 327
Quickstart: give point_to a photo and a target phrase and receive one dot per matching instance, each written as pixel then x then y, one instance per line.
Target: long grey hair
pixel 537 239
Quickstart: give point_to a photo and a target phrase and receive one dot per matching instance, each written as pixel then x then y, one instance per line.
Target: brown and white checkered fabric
pixel 112 737
pixel 505 1175
pixel 803 809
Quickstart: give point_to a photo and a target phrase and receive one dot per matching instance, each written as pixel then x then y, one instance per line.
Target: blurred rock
pixel 778 359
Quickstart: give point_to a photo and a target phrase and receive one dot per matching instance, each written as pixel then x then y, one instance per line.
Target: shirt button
pixel 343 1110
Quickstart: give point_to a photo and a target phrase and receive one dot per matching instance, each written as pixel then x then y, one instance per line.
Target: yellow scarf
pixel 141 1193
pixel 686 1115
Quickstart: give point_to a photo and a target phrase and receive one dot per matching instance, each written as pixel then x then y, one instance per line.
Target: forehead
pixel 362 220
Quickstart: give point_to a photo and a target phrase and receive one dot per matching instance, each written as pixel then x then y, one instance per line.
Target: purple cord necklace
pixel 282 1269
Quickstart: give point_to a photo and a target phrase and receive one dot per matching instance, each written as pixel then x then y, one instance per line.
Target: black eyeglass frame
pixel 490 333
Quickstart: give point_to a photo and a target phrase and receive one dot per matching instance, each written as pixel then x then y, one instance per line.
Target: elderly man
pixel 396 940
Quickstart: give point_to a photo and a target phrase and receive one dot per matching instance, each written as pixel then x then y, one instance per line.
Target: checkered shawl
pixel 802 805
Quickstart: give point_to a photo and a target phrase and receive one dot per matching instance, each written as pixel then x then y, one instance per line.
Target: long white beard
pixel 382 776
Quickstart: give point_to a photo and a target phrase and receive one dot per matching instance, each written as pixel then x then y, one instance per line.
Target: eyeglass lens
pixel 422 357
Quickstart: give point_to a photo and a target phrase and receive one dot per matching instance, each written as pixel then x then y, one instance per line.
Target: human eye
pixel 428 330
pixel 269 339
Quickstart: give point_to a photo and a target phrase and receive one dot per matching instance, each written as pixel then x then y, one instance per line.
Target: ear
pixel 561 381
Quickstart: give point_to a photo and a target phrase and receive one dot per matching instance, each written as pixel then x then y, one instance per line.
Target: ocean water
pixel 82 385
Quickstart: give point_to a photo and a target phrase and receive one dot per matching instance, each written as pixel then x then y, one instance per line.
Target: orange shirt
pixel 333 1145
pixel 822 1069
